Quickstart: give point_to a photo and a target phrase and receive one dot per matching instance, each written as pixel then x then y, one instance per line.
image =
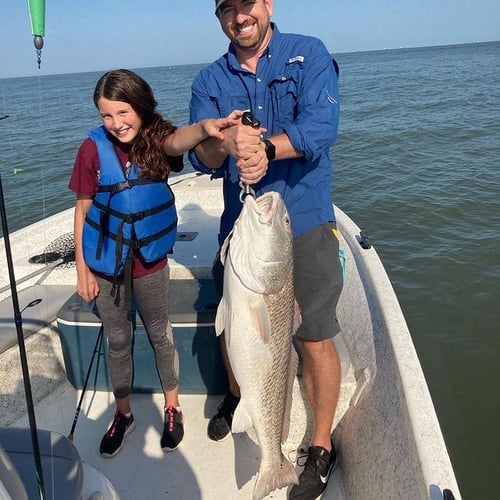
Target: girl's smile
pixel 119 119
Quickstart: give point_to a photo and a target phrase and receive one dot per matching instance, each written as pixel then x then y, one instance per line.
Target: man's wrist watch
pixel 270 149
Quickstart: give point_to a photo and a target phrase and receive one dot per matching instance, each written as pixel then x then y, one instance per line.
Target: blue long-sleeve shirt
pixel 294 91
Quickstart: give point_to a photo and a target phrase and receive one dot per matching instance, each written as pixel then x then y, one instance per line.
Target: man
pixel 289 83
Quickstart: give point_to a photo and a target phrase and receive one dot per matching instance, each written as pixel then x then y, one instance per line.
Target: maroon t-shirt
pixel 85 180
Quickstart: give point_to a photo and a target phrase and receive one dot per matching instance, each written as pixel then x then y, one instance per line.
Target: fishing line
pixel 42 167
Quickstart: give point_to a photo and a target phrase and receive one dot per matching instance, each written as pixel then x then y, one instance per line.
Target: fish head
pixel 261 244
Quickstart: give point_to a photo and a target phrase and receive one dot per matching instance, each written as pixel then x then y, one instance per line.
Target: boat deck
pixel 391 446
pixel 198 469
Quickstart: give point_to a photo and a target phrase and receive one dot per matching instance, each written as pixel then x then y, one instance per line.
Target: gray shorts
pixel 318 281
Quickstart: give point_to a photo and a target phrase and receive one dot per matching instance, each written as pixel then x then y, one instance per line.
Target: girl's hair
pixel 126 86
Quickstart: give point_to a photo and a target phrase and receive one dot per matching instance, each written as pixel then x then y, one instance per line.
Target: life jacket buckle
pixel 121 186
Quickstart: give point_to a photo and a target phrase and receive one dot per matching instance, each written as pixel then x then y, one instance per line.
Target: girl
pixel 124 227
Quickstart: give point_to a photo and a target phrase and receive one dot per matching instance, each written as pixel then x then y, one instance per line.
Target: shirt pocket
pixel 284 94
pixel 229 102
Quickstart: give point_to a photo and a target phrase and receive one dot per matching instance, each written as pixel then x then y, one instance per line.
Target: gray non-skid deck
pixel 198 469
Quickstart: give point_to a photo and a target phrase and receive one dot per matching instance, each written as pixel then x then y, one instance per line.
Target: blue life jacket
pixel 127 214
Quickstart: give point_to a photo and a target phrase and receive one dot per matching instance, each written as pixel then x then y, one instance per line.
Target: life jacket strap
pixel 133 243
pixel 127 286
pixel 138 244
pixel 127 282
pixel 103 222
pixel 126 184
pixel 137 216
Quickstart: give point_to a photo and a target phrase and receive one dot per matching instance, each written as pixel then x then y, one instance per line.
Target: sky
pixel 93 35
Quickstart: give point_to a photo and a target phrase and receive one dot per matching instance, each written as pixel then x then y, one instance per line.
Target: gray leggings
pixel 151 299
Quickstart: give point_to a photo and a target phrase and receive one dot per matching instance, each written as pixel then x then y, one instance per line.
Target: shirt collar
pixel 273 43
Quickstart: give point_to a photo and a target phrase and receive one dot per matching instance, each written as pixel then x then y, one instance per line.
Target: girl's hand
pixel 87 286
pixel 234 117
pixel 213 127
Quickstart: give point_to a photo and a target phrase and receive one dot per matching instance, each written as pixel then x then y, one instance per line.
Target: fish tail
pixel 274 478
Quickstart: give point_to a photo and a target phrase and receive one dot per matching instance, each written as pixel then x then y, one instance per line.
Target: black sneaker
pixel 219 427
pixel 112 442
pixel 173 429
pixel 314 477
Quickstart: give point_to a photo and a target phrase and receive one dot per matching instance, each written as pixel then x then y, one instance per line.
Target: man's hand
pixel 237 140
pixel 242 141
pixel 253 168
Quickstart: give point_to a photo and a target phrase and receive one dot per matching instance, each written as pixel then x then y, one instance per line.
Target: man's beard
pixel 252 44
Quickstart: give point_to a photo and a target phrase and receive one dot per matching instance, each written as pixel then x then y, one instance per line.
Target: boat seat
pixel 33 318
pixel 61 464
pixel 11 486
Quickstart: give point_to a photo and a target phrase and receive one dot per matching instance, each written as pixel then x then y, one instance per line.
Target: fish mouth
pixel 264 206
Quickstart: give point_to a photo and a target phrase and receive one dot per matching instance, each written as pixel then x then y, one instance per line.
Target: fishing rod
pixel 22 348
pixel 37 17
pixel 97 351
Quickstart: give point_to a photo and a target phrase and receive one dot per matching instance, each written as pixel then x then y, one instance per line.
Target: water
pixel 416 166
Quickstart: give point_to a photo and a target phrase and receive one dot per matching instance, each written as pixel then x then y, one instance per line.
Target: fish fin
pixel 292 371
pixel 297 317
pixel 220 317
pixel 224 249
pixel 242 422
pixel 260 320
pixel 274 477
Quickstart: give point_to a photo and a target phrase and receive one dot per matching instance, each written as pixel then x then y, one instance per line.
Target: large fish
pixel 259 316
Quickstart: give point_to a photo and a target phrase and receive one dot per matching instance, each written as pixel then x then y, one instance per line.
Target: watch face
pixel 270 150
